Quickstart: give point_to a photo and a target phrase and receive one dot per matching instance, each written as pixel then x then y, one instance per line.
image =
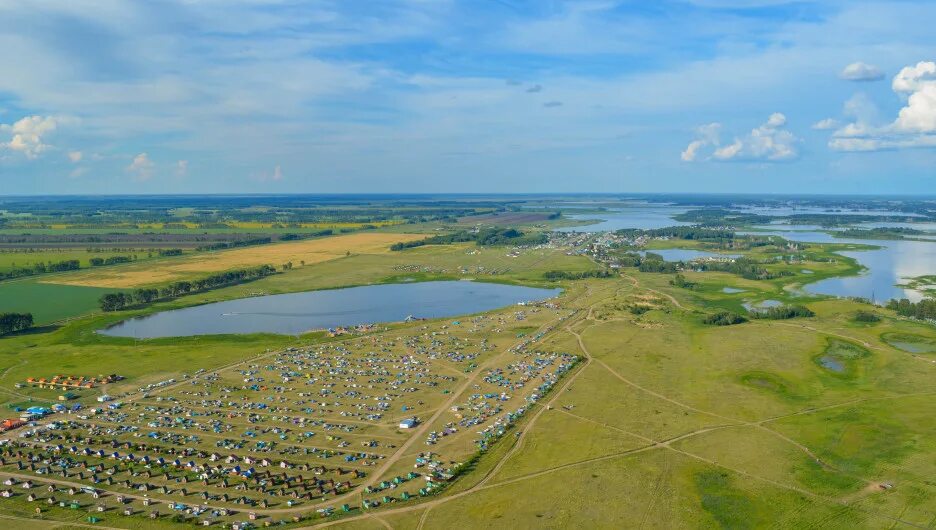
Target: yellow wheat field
pixel 160 271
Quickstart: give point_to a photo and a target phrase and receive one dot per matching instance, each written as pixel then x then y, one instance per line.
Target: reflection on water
pixel 892 264
pixel 296 313
pixel 638 216
pixel 685 254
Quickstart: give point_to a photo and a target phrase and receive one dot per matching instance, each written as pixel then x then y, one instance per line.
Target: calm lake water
pixel 637 216
pixel 295 313
pixel 892 264
pixel 685 254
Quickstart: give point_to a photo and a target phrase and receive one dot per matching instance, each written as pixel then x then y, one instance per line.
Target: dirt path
pixel 668 296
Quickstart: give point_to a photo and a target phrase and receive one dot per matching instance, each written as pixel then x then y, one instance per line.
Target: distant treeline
pixel 118 301
pixel 743 267
pixel 567 275
pixel 680 232
pixel 10 322
pixel 236 244
pixel 41 268
pixel 307 235
pixel 782 312
pixel 485 237
pixel 110 260
pixel 924 309
pixel 877 233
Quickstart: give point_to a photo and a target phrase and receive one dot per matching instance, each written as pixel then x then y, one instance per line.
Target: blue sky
pixel 201 96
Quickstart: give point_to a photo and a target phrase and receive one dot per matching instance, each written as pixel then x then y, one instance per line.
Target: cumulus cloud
pixel 142 167
pixel 826 125
pixel 915 125
pixel 75 156
pixel 181 168
pixel 770 141
pixel 28 135
pixel 861 72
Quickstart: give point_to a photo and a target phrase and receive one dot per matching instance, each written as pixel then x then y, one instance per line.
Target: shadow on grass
pixel 37 330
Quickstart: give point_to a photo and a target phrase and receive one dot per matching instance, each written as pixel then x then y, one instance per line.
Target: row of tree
pixel 41 268
pixel 10 322
pixel 680 232
pixel 924 309
pixel 746 268
pixel 139 297
pixel 110 260
pixel 485 237
pixel 569 275
pixel 235 244
pixel 782 312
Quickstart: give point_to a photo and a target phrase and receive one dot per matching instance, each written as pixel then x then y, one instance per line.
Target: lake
pixel 685 254
pixel 295 313
pixel 637 216
pixel 892 264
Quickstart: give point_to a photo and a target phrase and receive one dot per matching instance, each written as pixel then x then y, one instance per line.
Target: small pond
pixel 296 313
pixel 732 290
pixel 685 254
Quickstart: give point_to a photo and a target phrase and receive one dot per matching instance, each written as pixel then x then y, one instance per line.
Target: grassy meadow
pixel 666 423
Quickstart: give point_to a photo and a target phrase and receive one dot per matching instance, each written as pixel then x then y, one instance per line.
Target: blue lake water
pixel 295 313
pixel 892 264
pixel 638 216
pixel 685 254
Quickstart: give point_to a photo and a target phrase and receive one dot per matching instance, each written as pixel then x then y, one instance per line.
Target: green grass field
pixel 819 422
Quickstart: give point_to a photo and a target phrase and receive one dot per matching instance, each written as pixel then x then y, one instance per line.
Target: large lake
pixel 295 313
pixel 893 264
pixel 643 216
pixel 887 267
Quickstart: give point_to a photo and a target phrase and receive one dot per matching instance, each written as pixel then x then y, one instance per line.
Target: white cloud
pixel 862 72
pixel 707 135
pixel 27 135
pixel 142 167
pixel 826 124
pixel 919 116
pixel 915 125
pixel 181 168
pixel 768 142
pixel 75 156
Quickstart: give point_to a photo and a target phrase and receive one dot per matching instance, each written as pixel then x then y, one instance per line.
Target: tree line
pixel 782 312
pixel 485 237
pixel 139 297
pixel 696 233
pixel 10 322
pixel 41 268
pixel 569 275
pixel 110 260
pixel 924 309
pixel 235 244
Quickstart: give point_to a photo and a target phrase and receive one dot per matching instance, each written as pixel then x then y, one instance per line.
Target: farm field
pixel 309 252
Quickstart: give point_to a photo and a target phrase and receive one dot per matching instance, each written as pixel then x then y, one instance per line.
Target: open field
pixel 649 418
pixel 309 252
